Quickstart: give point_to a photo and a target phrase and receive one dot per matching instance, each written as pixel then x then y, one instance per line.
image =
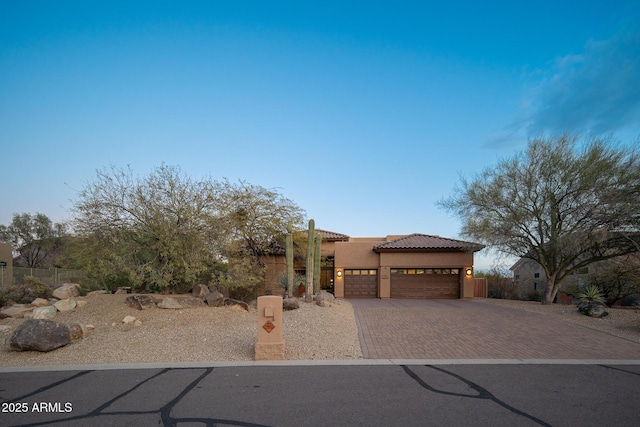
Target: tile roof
pixel 331 236
pixel 426 243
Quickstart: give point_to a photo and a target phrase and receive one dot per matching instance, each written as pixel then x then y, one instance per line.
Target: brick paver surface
pixel 467 329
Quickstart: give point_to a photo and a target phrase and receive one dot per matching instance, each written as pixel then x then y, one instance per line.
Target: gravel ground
pixel 191 335
pixel 621 322
pixel 227 334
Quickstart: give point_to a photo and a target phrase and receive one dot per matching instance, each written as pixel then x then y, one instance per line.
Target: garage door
pixel 360 283
pixel 425 283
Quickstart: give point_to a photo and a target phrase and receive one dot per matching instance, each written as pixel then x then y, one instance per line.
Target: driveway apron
pixel 468 329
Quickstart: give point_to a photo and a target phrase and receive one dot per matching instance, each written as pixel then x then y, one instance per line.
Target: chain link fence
pixel 49 276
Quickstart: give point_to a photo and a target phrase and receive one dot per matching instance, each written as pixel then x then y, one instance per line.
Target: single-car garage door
pixel 360 283
pixel 425 283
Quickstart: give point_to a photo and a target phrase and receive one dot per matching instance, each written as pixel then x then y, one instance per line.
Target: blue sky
pixel 365 114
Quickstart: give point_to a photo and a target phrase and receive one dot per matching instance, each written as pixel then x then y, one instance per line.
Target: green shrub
pixel 533 296
pixel 591 293
pixel 298 280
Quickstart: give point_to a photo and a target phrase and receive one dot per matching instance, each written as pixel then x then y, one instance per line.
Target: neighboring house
pixel 530 278
pixel 404 266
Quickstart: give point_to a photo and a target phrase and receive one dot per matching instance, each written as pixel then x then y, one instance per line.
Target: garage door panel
pixel 425 285
pixel 360 284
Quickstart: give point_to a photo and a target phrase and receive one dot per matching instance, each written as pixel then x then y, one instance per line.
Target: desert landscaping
pixel 118 333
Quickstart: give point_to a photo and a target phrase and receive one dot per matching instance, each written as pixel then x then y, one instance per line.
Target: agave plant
pixel 591 293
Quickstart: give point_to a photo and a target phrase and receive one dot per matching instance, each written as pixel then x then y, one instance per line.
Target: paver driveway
pixel 468 329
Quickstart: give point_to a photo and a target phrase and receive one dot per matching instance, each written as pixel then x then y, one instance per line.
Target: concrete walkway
pixel 468 329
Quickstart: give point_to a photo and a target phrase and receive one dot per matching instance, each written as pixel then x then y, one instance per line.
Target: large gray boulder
pixel 632 300
pixel 170 303
pixel 191 302
pixel 39 335
pixel 593 309
pixel 214 299
pixel 324 299
pixel 68 290
pixel 200 291
pixel 290 304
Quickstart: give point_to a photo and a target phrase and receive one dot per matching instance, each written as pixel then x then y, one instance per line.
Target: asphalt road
pixel 327 395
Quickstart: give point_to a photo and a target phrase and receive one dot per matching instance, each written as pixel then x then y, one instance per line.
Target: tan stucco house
pixel 395 266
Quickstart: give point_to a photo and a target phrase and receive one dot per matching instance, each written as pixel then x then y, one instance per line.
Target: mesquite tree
pixel 560 203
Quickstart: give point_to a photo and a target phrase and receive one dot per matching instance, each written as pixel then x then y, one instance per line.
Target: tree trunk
pixel 550 292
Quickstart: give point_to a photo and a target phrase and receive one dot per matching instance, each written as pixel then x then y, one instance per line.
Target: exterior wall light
pixel 339 273
pixel 468 271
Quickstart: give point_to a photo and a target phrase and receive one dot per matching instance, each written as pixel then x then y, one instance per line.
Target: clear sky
pixel 364 113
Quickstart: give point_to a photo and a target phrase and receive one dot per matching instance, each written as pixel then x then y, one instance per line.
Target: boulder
pixel 128 319
pixel 48 312
pixel 593 309
pixel 16 311
pixel 39 335
pixel 40 302
pixel 140 302
pixel 123 290
pixel 214 299
pixel 77 331
pixel 290 304
pixel 65 304
pixel 324 299
pixel 170 303
pixel 234 303
pixel 66 291
pixel 632 300
pixel 191 302
pixel 200 291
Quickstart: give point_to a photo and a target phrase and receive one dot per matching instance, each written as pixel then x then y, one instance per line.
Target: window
pixel 536 275
pixel 361 272
pixel 413 271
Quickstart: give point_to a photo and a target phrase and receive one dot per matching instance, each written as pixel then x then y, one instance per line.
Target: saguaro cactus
pixel 289 256
pixel 310 246
pixel 316 263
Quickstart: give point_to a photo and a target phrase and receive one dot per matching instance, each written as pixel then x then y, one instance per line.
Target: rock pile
pixel 64 299
pixel 40 332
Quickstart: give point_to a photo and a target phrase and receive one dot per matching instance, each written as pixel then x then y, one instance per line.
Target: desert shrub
pixel 241 280
pixel 36 288
pixel 298 279
pixel 591 293
pixel 25 292
pixel 500 283
pixel 533 296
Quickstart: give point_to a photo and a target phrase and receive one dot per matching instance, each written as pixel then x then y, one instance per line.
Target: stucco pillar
pixel 467 282
pixel 338 285
pixel 385 283
pixel 270 345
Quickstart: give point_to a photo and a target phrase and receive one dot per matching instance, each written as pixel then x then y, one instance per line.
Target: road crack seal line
pixel 50 386
pixel 620 370
pixel 483 393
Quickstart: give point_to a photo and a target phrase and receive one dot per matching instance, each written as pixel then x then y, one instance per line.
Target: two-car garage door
pixel 425 283
pixel 405 283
